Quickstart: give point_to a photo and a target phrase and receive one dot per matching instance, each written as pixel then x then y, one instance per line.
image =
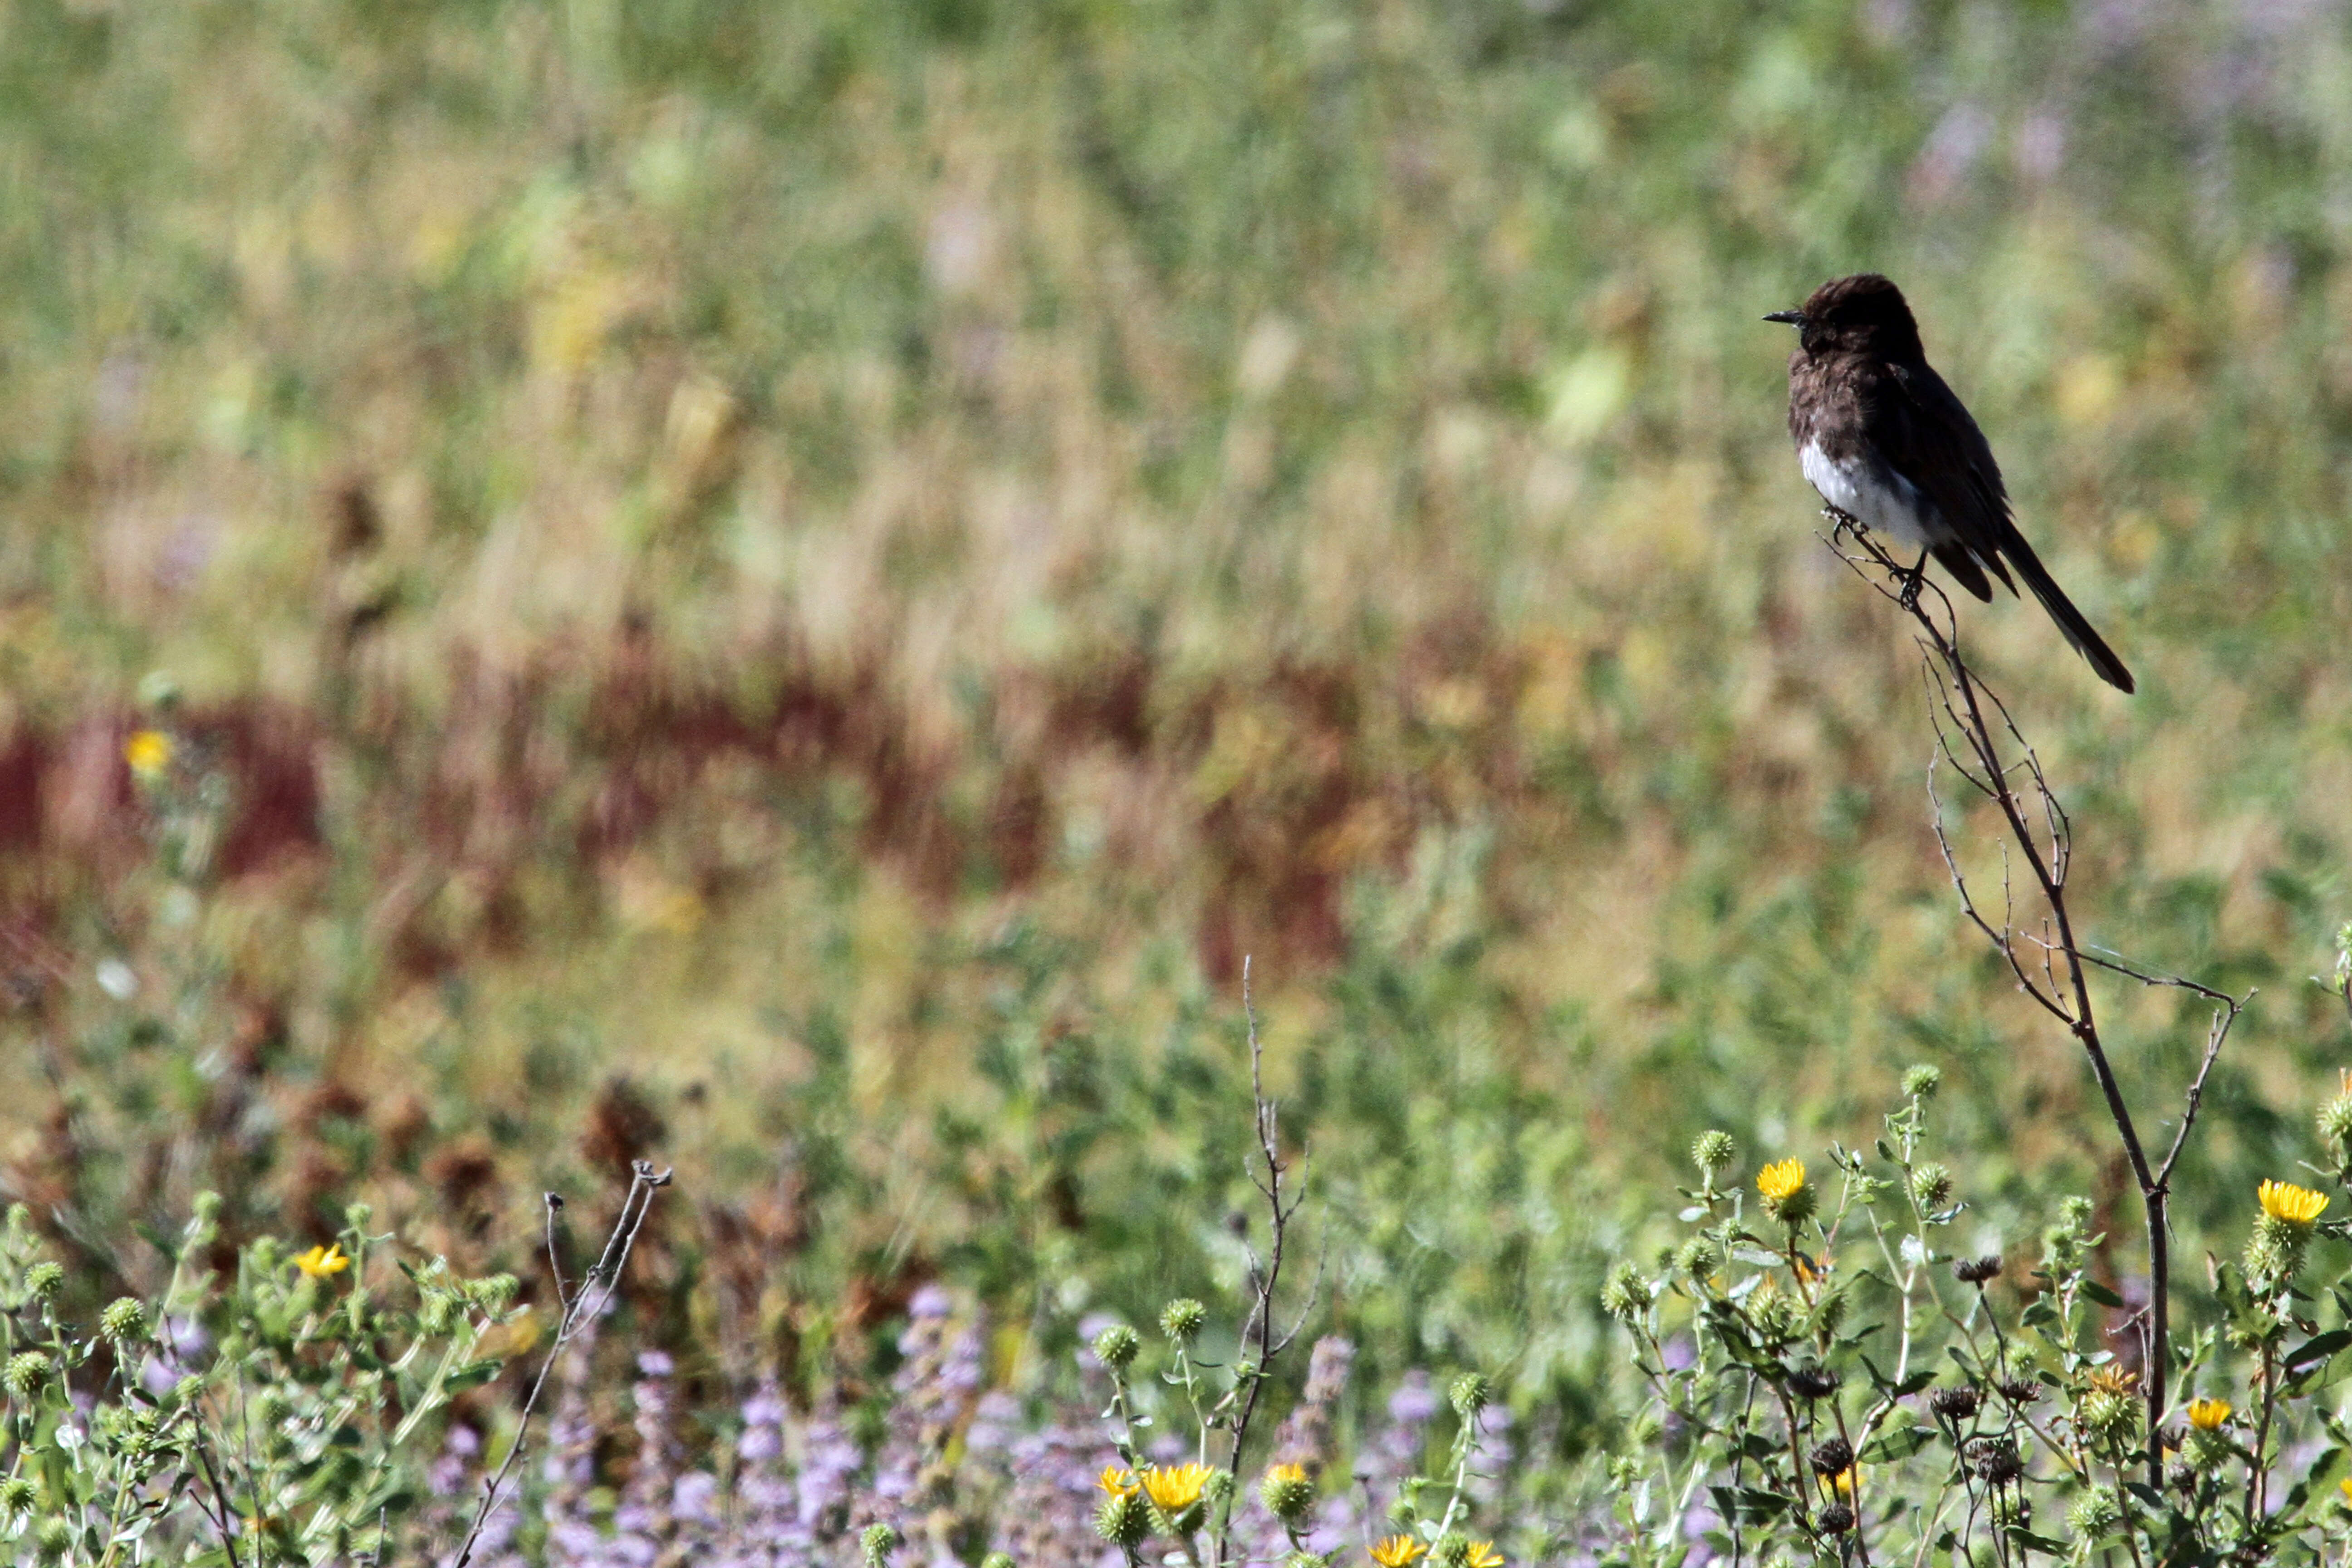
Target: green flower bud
pixel 1452 1550
pixel 1182 1320
pixel 1286 1492
pixel 1931 1187
pixel 1625 1293
pixel 2275 1252
pixel 2335 1128
pixel 26 1372
pixel 18 1494
pixel 1470 1394
pixel 1712 1150
pixel 357 1215
pixel 1124 1519
pixel 42 1279
pixel 1921 1082
pixel 2112 1417
pixel 55 1536
pixel 997 1559
pixel 1776 1317
pixel 2093 1513
pixel 2206 1450
pixel 1699 1260
pixel 1115 1346
pixel 123 1322
pixel 497 1293
pixel 877 1544
pixel 1217 1488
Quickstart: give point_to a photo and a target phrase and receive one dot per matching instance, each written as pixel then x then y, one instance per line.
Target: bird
pixel 1884 441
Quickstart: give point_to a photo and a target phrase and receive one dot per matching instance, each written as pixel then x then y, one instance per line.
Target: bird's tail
pixel 2078 631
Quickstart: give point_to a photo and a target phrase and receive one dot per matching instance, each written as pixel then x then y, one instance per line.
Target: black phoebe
pixel 1884 441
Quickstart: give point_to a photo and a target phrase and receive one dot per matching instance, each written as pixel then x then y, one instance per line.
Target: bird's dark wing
pixel 1924 431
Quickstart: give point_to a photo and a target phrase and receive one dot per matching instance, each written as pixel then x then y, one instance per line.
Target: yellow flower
pixel 1175 1488
pixel 149 753
pixel 1398 1551
pixel 2295 1205
pixel 321 1261
pixel 1782 1180
pixel 2209 1414
pixel 2345 1486
pixel 1116 1480
pixel 1484 1555
pixel 1289 1474
pixel 1846 1481
pixel 2112 1380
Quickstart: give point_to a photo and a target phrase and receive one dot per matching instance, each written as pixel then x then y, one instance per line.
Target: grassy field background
pixel 792 589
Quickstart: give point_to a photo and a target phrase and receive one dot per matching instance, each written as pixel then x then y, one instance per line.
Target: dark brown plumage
pixel 1882 438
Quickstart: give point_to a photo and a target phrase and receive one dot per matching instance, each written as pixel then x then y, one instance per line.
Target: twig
pixel 1973 729
pixel 1279 1213
pixel 594 1294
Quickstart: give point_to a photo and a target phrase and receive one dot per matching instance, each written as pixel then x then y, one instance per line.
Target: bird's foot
pixel 1913 580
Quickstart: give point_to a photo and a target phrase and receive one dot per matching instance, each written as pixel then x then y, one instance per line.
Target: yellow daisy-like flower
pixel 2295 1205
pixel 149 753
pixel 321 1262
pixel 1782 1180
pixel 2209 1414
pixel 2345 1486
pixel 1175 1488
pixel 1484 1555
pixel 1116 1479
pixel 1289 1475
pixel 2112 1380
pixel 1398 1551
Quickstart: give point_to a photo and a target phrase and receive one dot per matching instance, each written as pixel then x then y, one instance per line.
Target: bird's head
pixel 1864 313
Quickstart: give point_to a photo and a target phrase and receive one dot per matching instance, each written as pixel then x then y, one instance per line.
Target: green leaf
pixel 2319 1476
pixel 2101 1294
pixel 1754 1504
pixel 1889 1447
pixel 2317 1348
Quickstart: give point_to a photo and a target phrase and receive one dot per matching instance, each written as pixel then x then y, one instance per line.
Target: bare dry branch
pixel 1979 736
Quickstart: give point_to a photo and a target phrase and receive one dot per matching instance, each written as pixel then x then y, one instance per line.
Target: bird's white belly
pixel 1880 499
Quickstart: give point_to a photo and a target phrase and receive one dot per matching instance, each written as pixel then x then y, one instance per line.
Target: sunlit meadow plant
pixel 281 1411
pixel 1830 1377
pixel 1186 1505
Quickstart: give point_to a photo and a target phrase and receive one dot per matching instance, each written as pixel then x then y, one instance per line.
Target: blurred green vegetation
pixel 796 586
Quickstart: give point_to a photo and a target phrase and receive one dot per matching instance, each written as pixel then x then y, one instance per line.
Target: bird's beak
pixel 1788 317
